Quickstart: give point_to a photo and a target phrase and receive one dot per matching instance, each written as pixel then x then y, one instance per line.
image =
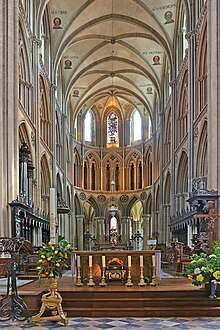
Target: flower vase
pixel 213 287
pixel 52 301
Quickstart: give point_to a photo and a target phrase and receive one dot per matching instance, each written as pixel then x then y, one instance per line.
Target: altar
pixel 130 267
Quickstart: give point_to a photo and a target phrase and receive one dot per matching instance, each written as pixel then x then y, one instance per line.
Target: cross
pixel 211 216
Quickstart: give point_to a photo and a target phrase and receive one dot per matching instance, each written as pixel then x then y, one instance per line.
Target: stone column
pixel 9 111
pixel 79 231
pixel 146 229
pixel 101 230
pixel 124 230
pixel 213 48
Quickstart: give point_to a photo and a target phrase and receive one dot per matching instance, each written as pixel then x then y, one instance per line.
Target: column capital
pixel 80 216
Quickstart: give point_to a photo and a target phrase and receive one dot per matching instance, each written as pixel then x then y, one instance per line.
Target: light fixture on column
pixel 112 208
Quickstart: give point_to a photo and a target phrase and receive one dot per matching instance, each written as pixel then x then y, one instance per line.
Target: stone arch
pixel 45 185
pixel 167 189
pixel 134 170
pixel 167 145
pixel 45 116
pixel 202 69
pixel 201 159
pixel 112 165
pixel 91 171
pixel 182 114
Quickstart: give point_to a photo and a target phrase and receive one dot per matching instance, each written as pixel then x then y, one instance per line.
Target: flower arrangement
pixel 53 258
pixel 204 268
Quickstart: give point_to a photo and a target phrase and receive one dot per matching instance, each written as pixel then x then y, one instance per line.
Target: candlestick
pixel 141 261
pixel 129 261
pixel 90 261
pixel 129 283
pixel 78 261
pixel 103 261
pixel 153 261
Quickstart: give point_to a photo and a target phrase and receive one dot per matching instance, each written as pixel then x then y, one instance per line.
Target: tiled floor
pixel 119 324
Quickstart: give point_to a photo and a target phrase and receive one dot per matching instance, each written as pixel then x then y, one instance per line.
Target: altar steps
pixel 174 297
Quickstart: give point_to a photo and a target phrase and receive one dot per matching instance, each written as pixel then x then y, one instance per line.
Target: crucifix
pixel 211 216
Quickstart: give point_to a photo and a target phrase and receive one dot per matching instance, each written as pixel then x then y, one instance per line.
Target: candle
pixel 78 261
pixel 141 261
pixel 103 261
pixel 153 261
pixel 90 261
pixel 129 261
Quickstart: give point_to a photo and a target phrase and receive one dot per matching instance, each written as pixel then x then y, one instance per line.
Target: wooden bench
pixel 31 263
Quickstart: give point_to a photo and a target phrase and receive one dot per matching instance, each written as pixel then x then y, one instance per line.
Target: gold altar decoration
pixel 52 300
pixel 154 277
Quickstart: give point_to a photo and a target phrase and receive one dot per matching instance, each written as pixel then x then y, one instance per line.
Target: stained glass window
pixel 113 223
pixel 88 126
pixel 112 128
pixel 137 126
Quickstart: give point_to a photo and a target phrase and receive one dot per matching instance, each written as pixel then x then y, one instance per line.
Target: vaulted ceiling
pixel 113 47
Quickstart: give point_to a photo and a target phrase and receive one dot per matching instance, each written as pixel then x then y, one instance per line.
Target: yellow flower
pixel 40 260
pixel 58 265
pixel 55 252
pixel 190 277
pixel 51 274
pixel 50 243
pixel 49 258
pixel 42 256
pixel 216 274
pixel 200 277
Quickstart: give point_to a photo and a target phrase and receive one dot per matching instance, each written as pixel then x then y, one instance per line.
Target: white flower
pixel 212 256
pixel 197 271
pixel 193 261
pixel 203 268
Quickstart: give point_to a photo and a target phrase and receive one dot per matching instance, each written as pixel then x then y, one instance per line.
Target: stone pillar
pixel 213 48
pixel 124 230
pixel 146 230
pixel 101 230
pixel 189 235
pixel 9 111
pixel 53 215
pixel 79 231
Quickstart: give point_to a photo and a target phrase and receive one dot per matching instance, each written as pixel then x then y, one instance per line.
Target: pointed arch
pixel 148 168
pixel 201 161
pixel 182 116
pixel 45 185
pixel 45 116
pixel 167 145
pixel 167 189
pixel 202 70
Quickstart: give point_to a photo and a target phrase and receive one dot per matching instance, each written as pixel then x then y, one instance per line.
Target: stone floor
pixel 119 324
pixel 114 323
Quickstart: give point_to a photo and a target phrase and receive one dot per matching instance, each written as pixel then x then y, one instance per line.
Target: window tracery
pixel 112 128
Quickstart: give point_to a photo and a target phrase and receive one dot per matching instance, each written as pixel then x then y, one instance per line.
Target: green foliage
pixel 203 268
pixel 53 258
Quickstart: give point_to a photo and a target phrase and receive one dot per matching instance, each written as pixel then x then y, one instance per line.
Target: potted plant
pixel 53 261
pixel 205 268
